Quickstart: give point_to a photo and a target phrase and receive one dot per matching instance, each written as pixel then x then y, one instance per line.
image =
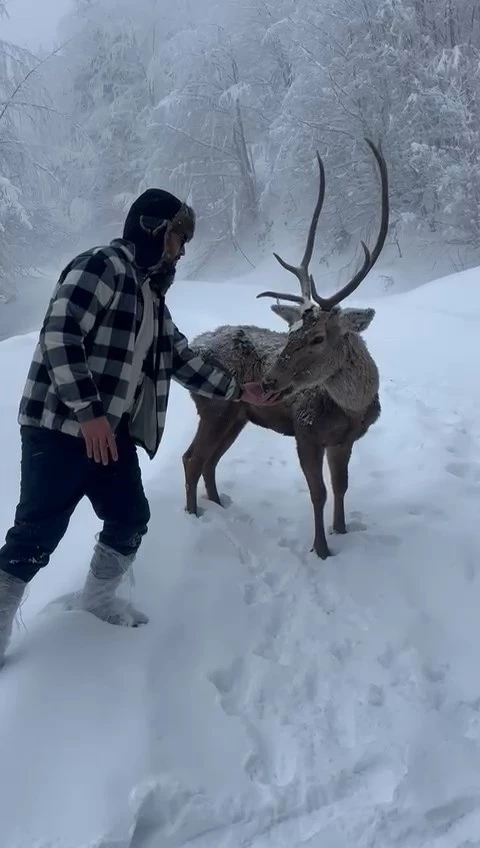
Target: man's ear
pixel 355 320
pixel 290 313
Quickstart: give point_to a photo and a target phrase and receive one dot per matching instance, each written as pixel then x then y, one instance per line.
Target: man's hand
pixel 253 393
pixel 99 440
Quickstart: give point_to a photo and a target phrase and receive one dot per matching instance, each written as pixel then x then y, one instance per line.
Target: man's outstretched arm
pixel 196 375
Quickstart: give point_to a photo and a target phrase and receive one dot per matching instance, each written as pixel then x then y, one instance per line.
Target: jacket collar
pixel 127 248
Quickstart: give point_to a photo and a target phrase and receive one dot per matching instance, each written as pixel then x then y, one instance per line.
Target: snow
pixel 274 700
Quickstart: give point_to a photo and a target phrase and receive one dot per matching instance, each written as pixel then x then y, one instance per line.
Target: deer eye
pixel 318 340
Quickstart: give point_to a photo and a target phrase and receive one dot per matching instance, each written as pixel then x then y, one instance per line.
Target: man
pixel 97 387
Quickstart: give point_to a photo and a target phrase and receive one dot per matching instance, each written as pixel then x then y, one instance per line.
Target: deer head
pixel 317 343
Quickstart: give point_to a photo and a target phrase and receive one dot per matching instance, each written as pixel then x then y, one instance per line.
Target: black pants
pixel 55 475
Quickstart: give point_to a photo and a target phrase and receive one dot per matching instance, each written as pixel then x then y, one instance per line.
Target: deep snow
pixel 274 699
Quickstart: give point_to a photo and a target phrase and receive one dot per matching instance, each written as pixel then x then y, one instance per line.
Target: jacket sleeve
pixel 196 375
pixel 87 288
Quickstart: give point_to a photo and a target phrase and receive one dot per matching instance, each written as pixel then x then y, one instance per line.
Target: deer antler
pixel 301 271
pixel 327 303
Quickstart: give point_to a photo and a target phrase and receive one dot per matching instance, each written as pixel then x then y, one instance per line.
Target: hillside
pixel 274 700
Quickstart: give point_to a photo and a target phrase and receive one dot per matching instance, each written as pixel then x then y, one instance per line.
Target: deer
pixel 325 377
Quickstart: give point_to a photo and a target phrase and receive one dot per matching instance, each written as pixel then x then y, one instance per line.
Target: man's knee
pixel 122 538
pixel 29 546
pixel 140 516
pixel 126 536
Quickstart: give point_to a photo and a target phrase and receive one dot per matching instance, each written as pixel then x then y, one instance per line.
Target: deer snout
pixel 269 385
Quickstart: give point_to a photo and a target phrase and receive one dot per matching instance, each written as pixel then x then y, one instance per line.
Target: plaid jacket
pixel 82 363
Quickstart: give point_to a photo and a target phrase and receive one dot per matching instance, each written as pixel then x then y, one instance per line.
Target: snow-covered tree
pixel 226 103
pixel 30 218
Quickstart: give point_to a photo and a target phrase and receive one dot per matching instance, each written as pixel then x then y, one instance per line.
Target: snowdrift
pixel 273 700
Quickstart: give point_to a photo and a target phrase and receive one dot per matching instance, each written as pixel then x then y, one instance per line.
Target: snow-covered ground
pixel 274 700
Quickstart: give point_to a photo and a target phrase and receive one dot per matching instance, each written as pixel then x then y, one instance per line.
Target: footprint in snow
pixel 226 681
pixel 423 510
pixel 358 515
pixel 258 592
pixel 266 647
pixel 272 460
pixel 442 819
pixel 468 471
pixel 387 539
pixel 464 443
pixel 260 764
pixel 376 696
pixel 292 545
pixel 285 521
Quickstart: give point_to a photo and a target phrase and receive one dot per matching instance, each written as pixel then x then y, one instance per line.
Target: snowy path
pixel 350 695
pixel 274 701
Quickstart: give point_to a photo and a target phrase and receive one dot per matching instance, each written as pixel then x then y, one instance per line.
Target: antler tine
pixel 370 258
pixel 301 271
pixel 327 303
pixel 316 214
pixel 292 298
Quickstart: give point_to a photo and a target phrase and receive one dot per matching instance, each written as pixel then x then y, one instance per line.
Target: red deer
pixel 328 380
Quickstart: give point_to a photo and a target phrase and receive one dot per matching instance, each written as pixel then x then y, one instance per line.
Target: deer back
pixel 245 351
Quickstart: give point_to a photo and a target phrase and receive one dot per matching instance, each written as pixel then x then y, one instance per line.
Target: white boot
pixel 107 570
pixel 11 593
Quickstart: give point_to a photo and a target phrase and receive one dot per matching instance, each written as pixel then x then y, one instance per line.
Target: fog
pixel 33 23
pixel 225 104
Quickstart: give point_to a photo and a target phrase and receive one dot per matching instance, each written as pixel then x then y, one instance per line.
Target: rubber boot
pixel 107 570
pixel 11 593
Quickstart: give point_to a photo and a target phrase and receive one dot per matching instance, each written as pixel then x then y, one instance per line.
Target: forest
pixel 225 104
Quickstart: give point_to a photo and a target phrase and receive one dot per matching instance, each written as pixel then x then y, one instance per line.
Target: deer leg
pixel 210 465
pixel 338 458
pixel 310 455
pixel 210 431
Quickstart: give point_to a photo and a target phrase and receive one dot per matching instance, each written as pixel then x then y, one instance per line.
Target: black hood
pixel 149 218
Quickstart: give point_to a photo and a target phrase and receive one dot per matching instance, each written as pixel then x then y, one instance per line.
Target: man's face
pixel 162 274
pixel 174 246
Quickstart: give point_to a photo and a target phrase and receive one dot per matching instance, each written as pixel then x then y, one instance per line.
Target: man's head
pixel 159 225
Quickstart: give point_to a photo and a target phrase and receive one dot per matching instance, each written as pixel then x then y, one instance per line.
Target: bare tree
pixel 328 380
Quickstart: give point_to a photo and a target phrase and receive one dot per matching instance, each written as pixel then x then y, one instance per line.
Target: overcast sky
pixel 32 23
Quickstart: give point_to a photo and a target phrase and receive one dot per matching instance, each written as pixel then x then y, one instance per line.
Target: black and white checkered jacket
pixel 82 363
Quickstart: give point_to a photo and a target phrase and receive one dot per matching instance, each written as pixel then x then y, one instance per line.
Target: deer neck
pixel 354 385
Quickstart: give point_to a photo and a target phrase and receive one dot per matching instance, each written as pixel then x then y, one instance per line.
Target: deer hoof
pixel 214 499
pixel 321 550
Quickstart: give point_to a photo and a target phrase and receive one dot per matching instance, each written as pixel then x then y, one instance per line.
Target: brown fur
pixel 332 382
pixel 322 368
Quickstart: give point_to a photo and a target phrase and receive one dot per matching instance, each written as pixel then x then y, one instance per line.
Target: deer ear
pixel 355 320
pixel 289 313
